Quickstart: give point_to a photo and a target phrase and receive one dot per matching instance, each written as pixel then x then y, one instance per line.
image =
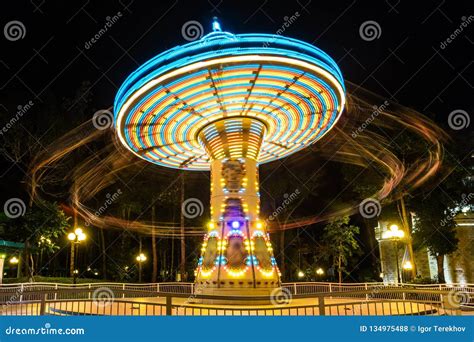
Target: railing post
pixel 330 287
pixel 366 289
pixel 56 292
pixel 157 287
pixel 21 291
pixel 43 304
pixel 89 292
pixel 169 307
pixel 192 288
pixel 322 307
pixel 294 287
pixel 123 290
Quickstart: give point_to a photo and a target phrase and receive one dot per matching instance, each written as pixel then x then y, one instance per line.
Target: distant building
pixel 458 266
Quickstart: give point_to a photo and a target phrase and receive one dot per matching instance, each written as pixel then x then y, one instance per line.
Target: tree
pixel 339 243
pixel 437 206
pixel 435 229
pixel 40 229
pixel 284 192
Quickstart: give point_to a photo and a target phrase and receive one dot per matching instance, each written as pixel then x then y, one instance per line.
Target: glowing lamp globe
pixel 228 103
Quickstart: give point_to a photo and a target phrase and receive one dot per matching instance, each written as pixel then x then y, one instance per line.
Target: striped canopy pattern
pixel 291 87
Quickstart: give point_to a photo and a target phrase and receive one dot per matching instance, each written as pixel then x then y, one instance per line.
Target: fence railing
pixel 29 291
pixel 187 288
pixel 396 301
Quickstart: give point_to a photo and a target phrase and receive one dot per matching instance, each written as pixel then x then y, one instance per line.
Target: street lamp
pixel 140 258
pixel 75 237
pixel 407 266
pixel 320 272
pixel 394 234
pixel 14 261
pixel 300 274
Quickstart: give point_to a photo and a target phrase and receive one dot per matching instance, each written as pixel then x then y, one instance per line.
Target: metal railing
pixel 188 288
pixel 315 287
pixel 28 291
pixel 359 302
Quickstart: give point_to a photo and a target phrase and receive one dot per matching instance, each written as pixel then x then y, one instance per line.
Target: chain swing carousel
pixel 227 103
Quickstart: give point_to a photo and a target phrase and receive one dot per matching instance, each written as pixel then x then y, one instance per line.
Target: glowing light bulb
pixel 235 224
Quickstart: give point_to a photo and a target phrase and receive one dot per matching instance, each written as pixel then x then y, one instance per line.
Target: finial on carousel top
pixel 216 26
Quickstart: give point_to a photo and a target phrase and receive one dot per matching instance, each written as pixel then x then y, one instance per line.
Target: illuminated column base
pixel 237 256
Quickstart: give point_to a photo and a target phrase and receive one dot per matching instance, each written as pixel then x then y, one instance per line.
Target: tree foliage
pixel 339 243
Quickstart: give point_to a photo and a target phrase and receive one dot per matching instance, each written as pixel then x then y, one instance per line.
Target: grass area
pixel 62 280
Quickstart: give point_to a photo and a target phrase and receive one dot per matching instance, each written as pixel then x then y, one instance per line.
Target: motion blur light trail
pixel 230 102
pixel 363 137
pixel 368 148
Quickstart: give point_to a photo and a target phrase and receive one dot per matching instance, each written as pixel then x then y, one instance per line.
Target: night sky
pixel 409 61
pixel 406 62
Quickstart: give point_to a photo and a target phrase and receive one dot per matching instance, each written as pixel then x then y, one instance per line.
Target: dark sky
pixel 406 62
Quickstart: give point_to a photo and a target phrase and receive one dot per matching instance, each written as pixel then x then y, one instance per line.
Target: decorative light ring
pixel 295 89
pixel 207 273
pixel 236 273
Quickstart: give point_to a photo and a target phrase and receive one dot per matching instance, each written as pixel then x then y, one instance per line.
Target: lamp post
pixel 407 266
pixel 320 272
pixel 15 261
pixel 394 234
pixel 140 258
pixel 75 237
